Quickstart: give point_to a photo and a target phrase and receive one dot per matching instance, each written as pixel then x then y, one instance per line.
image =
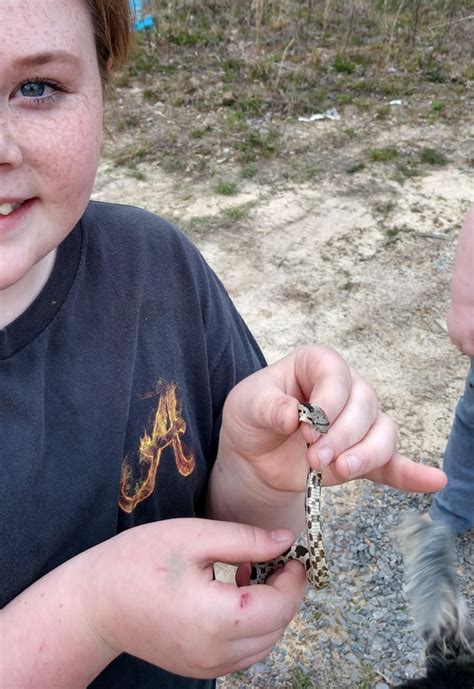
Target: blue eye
pixel 33 89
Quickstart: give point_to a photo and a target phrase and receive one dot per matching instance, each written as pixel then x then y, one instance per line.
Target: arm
pixel 461 311
pixel 150 592
pixel 46 639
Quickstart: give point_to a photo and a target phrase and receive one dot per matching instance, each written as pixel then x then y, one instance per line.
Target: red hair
pixel 111 21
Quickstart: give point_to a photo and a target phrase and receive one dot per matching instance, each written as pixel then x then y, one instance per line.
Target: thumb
pixel 276 411
pixel 234 543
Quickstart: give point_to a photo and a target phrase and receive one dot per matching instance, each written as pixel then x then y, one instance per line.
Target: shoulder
pixel 119 224
pixel 138 242
pixel 149 255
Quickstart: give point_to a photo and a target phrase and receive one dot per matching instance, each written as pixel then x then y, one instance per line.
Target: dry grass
pixel 216 80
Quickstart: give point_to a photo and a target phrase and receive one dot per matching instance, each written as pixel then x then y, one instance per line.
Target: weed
pixel 362 103
pixel 132 156
pixel 469 73
pixel 382 112
pixel 438 105
pixel 231 66
pixel 300 680
pixel 238 213
pixel 308 170
pixel 408 170
pixel 385 154
pixel 343 98
pixel 392 233
pixel 435 74
pixel 150 95
pixel 226 188
pixel 384 207
pixel 257 144
pixel 197 133
pixel 176 100
pixel 431 156
pixel 137 174
pixel 249 172
pixel 250 103
pixel 342 65
pixel 368 678
pixel 356 166
pixel 204 222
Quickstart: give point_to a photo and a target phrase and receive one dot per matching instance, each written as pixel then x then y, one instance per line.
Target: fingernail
pixel 282 535
pixel 326 455
pixel 354 464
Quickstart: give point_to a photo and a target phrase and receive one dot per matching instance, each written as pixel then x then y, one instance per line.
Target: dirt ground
pixel 361 261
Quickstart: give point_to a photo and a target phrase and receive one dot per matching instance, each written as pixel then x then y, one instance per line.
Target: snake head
pixel 314 415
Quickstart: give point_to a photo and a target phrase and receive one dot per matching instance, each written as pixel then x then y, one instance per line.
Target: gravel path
pixel 356 634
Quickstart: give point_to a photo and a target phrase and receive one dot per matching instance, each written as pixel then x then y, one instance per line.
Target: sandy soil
pixel 361 262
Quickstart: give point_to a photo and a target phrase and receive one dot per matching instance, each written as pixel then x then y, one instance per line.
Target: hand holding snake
pixel 262 465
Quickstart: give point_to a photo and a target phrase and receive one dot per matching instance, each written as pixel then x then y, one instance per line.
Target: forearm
pixel 462 287
pixel 46 640
pixel 235 493
pixel 461 310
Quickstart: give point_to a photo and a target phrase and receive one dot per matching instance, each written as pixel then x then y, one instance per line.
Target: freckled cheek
pixel 67 158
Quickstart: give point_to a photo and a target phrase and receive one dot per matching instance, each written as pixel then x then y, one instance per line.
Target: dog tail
pixel 439 611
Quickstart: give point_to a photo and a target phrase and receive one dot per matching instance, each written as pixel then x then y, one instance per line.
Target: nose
pixel 10 151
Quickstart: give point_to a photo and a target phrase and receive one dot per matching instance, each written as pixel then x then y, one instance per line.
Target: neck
pixel 14 300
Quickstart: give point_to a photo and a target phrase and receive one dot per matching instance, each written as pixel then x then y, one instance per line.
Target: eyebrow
pixel 45 58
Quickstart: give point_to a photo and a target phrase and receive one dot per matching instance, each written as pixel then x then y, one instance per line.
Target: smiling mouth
pixel 9 208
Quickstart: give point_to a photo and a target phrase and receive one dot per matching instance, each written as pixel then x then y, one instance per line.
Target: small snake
pixel 312 556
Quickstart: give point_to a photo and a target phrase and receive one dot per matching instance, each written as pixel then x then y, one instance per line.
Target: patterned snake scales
pixel 312 557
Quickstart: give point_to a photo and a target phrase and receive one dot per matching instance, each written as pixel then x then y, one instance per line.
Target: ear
pixel 110 65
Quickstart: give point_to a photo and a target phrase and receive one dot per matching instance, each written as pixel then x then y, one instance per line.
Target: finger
pixel 255 611
pixel 285 578
pixel 401 472
pixel 309 373
pixel 242 575
pixel 229 542
pixel 324 379
pixel 349 428
pixel 374 450
pixel 243 660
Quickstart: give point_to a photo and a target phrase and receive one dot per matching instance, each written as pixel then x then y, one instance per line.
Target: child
pixel 455 504
pixel 118 349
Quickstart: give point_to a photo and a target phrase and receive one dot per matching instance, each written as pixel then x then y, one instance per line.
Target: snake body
pixel 312 556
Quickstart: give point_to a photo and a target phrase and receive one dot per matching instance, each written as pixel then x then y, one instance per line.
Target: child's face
pixel 50 127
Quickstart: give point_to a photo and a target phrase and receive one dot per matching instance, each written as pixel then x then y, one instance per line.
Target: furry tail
pixel 438 609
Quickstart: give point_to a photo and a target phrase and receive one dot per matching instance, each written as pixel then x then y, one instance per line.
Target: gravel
pixel 357 633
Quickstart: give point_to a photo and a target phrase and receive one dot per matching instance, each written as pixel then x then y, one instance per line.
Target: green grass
pixel 431 156
pixel 300 680
pixel 342 65
pixel 438 105
pixel 249 172
pixel 237 213
pixel 255 144
pixel 385 154
pixel 369 677
pixel 226 188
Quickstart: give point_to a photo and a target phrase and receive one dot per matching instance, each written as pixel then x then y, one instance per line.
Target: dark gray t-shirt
pixel 111 390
